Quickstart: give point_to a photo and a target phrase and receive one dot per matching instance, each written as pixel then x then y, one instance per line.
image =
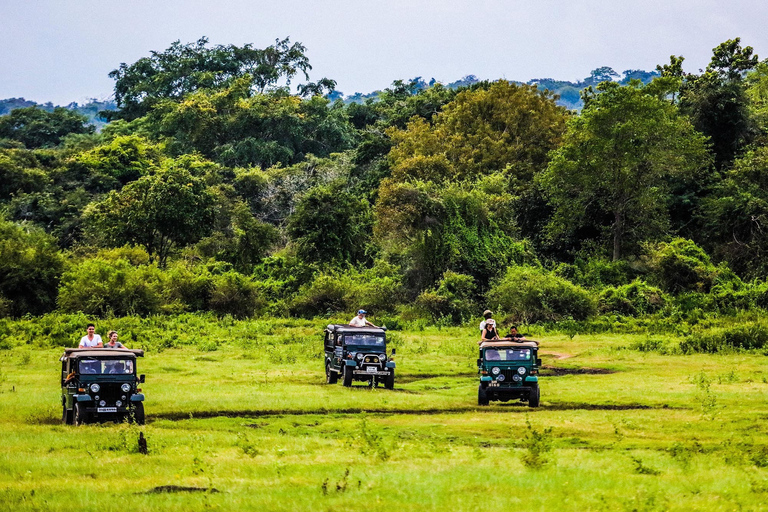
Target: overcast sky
pixel 62 50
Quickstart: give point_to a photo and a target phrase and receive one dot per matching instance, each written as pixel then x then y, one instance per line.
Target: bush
pixel 30 268
pixel 451 299
pixel 636 298
pixel 100 287
pixel 530 294
pixel 323 296
pixel 681 266
pixel 235 294
pixel 750 336
pixel 597 272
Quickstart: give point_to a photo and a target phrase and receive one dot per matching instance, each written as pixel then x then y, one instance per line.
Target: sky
pixel 63 50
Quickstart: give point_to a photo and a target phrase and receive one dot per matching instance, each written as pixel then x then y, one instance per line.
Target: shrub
pixel 636 298
pixel 531 294
pixel 323 296
pixel 749 336
pixel 681 266
pixel 30 268
pixel 100 287
pixel 235 294
pixel 451 299
pixel 597 272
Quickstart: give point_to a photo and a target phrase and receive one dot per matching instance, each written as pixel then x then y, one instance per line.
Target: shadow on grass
pixel 180 416
pixel 554 371
pixel 165 489
pixel 576 406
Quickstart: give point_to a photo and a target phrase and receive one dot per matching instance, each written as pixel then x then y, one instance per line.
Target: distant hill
pixel 567 91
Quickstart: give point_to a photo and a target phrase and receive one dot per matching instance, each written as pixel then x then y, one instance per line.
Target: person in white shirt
pixel 91 339
pixel 360 321
pixel 486 315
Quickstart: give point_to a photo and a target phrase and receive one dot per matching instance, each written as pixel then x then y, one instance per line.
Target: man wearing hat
pixel 360 320
pixel 487 314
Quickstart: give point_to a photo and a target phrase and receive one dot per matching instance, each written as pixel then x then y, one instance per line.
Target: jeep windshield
pixel 365 340
pixel 507 354
pixel 106 366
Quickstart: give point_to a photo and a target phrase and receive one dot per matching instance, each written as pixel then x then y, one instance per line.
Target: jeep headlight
pixel 517 378
pixel 103 403
pixel 95 388
pixel 521 370
pixel 382 357
pixel 359 356
pixel 495 370
pixel 125 387
pixel 500 378
pixel 119 403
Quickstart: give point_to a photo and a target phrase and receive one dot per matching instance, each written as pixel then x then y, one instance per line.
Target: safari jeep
pixel 100 384
pixel 509 371
pixel 358 353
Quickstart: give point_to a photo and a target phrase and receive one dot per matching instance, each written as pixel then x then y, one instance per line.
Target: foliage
pixel 747 336
pixel 185 68
pixel 453 298
pixel 681 265
pixel 125 158
pixel 531 294
pixel 158 211
pixel 234 294
pixel 38 128
pixel 30 268
pixel 613 163
pixel 330 225
pixel 504 127
pixel 634 299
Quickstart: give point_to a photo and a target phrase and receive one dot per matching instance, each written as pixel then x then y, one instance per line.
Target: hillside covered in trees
pixel 214 187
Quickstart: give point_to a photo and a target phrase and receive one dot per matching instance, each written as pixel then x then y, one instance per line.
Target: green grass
pixel 253 424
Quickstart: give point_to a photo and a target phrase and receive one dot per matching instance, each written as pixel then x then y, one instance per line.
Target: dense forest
pixel 215 187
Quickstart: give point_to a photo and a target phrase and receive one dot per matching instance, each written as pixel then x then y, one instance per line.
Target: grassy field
pixel 252 425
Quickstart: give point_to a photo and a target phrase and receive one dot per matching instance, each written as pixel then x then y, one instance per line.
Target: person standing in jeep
pixel 360 320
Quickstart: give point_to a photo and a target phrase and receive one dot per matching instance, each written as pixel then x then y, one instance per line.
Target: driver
pixel 360 320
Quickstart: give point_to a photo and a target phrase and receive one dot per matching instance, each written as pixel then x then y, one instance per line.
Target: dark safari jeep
pixel 358 353
pixel 509 370
pixel 99 384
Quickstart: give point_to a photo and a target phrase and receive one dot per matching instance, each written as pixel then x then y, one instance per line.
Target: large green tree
pixel 159 211
pixel 185 68
pixel 614 161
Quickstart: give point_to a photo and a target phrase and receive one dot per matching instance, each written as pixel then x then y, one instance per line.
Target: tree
pixel 330 225
pixel 38 128
pixel 160 211
pixel 615 158
pixel 185 68
pixel 504 127
pixel 717 103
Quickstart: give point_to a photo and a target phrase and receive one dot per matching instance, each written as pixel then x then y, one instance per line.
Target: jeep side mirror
pixel 479 361
pixel 141 378
pixel 538 362
pixel 393 351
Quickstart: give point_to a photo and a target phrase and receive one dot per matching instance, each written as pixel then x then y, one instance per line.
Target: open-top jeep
pixel 358 353
pixel 509 370
pixel 100 383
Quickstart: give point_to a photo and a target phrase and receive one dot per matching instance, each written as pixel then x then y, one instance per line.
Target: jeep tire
pixel 137 414
pixel 67 415
pixel 533 397
pixel 330 376
pixel 482 396
pixel 347 377
pixel 389 380
pixel 81 417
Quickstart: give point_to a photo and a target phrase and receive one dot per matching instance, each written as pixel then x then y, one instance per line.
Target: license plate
pixel 371 369
pixel 106 409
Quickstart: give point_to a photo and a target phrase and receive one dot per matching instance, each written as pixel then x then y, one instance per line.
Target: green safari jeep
pixel 101 384
pixel 509 371
pixel 358 353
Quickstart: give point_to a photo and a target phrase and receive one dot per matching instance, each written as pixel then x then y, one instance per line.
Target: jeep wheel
pixel 81 417
pixel 389 380
pixel 347 376
pixel 137 414
pixel 66 416
pixel 330 377
pixel 533 398
pixel 482 396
